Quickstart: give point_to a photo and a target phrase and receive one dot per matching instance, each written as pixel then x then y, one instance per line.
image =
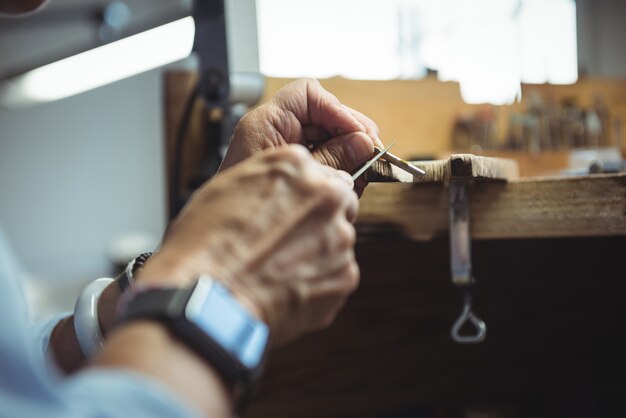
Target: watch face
pixel 214 310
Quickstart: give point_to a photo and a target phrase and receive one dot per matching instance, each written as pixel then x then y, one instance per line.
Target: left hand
pixel 277 230
pixel 304 113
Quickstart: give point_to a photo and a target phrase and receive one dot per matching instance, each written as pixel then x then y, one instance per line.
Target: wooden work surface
pixel 502 205
pixel 552 302
pixel 538 208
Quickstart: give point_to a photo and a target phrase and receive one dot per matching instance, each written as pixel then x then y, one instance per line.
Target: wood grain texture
pixel 538 208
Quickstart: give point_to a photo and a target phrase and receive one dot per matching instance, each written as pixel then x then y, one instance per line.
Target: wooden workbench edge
pixel 548 207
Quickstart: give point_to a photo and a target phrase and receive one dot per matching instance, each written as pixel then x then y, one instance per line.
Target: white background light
pixel 102 65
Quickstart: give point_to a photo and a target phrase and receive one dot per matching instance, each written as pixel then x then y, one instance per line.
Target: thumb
pixel 346 152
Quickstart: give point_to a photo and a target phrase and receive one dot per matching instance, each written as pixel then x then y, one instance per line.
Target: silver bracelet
pixel 86 324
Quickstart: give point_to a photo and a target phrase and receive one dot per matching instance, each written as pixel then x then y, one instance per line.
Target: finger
pixel 349 200
pixel 352 207
pixel 340 175
pixel 346 152
pixel 343 185
pixel 318 170
pixel 370 126
pixel 312 105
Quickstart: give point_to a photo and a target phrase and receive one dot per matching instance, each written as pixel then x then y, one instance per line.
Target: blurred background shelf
pixel 420 114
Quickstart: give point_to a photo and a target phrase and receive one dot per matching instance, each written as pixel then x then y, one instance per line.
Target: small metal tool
pixel 461 260
pixel 372 161
pixel 400 163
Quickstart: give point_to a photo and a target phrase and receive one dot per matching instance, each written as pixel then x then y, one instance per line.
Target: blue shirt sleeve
pixel 41 332
pixel 29 389
pixel 93 393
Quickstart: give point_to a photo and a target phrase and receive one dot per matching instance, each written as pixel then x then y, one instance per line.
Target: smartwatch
pixel 211 321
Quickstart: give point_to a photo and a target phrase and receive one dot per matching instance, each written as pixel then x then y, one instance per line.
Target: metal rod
pixel 370 162
pixel 400 163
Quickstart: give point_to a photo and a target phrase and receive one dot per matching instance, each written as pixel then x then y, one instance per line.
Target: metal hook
pixel 461 259
pixel 468 315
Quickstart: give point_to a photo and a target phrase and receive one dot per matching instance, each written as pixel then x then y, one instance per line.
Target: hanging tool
pixel 461 260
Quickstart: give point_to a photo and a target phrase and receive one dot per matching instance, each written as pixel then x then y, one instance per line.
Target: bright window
pixel 489 46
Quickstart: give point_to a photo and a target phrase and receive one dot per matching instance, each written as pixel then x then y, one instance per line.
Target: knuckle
pixel 351 277
pixel 310 82
pixel 279 168
pixel 298 154
pixel 327 320
pixel 293 155
pixel 352 207
pixel 294 151
pixel 330 193
pixel 346 236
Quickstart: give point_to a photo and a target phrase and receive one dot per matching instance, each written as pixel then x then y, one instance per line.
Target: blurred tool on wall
pixel 588 135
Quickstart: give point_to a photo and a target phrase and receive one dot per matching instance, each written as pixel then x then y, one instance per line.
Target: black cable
pixel 176 198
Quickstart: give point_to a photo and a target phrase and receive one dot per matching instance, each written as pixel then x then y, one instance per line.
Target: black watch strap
pixel 183 311
pixel 160 304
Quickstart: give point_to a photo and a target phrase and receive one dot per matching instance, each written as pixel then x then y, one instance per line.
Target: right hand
pixel 303 112
pixel 277 230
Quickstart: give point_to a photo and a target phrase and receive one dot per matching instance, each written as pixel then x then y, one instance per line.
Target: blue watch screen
pixel 232 326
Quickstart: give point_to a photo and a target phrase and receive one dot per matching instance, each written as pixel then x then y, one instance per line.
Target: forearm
pixel 150 349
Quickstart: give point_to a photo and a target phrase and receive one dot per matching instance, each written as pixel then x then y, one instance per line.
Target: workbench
pixel 548 256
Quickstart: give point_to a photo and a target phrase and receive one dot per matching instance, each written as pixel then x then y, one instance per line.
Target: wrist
pixel 86 316
pixel 109 298
pixel 209 320
pixel 106 307
pixel 146 346
pixel 64 344
pixel 169 268
pixel 182 268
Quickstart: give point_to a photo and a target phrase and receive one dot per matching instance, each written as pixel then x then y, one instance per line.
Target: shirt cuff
pixel 41 332
pixel 119 393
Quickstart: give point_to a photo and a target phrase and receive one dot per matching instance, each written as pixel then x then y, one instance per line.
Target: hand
pixel 304 113
pixel 277 230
